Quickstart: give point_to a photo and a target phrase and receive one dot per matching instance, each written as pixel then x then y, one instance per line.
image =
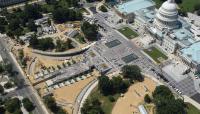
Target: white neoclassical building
pixel 167 16
pixel 171 31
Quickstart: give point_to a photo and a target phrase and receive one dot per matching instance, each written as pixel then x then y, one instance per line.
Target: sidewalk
pixel 191 101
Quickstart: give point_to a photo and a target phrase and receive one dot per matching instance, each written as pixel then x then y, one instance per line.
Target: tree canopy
pixel 112 86
pixel 28 105
pixel 19 20
pixel 147 98
pixel 2 110
pixel 103 8
pixel 12 105
pixel 61 15
pixel 51 104
pixel 41 44
pixel 166 103
pixel 1 89
pixel 132 72
pixel 90 31
pixel 3 22
pixel 63 46
pixel 105 85
pixel 92 106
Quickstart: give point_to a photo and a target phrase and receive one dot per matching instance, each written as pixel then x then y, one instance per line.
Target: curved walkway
pixel 31 66
pixel 63 54
pixel 83 96
pixel 191 101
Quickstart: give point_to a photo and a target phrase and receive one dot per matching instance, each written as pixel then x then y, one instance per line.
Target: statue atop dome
pixel 171 1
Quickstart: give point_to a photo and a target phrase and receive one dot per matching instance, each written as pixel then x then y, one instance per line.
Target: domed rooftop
pixel 169 5
pixel 167 16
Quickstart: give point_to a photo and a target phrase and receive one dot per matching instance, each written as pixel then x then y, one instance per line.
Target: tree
pixel 12 105
pixel 105 85
pixel 170 106
pixel 1 102
pixel 51 1
pixel 41 44
pixel 120 85
pixel 28 105
pixel 63 14
pixel 162 91
pixel 33 11
pixel 178 1
pixel 62 46
pixel 103 8
pixel 31 25
pixel 111 98
pixel 8 85
pixel 2 110
pixel 3 24
pixel 61 111
pixel 147 98
pixel 117 82
pixel 8 67
pixel 197 7
pixel 92 0
pixel 21 54
pixel 2 67
pixel 182 12
pixel 51 104
pixel 14 24
pixel 45 44
pixel 90 31
pixel 3 21
pixel 59 15
pixel 18 111
pixel 132 72
pixel 166 103
pixel 92 106
pixel 33 41
pixel 198 12
pixel 2 29
pixel 1 89
pixel 124 86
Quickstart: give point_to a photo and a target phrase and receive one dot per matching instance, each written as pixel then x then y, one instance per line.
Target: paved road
pixel 80 98
pixel 24 88
pixel 22 4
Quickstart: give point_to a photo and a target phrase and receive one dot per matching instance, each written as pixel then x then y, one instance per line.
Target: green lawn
pixel 186 5
pixel 83 10
pixel 126 31
pixel 192 110
pixel 47 7
pixel 155 54
pixel 107 105
pixel 80 38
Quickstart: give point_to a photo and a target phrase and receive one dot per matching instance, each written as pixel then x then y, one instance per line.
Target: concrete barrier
pixel 61 54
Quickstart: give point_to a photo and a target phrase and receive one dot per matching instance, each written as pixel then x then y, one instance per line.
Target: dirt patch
pixel 67 94
pixel 134 97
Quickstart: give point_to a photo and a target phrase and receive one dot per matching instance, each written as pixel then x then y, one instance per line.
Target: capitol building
pixel 171 32
pixel 167 16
